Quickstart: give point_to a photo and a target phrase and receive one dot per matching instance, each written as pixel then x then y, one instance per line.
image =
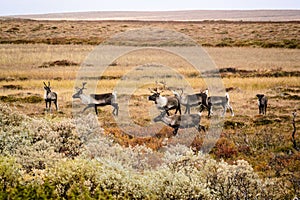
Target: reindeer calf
pixel 262 103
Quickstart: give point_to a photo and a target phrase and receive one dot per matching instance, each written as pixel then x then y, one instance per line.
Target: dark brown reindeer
pixel 181 121
pixel 191 100
pixel 97 100
pixel 262 103
pixel 50 96
pixel 164 103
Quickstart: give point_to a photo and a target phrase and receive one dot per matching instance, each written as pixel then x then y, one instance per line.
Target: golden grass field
pixel 28 47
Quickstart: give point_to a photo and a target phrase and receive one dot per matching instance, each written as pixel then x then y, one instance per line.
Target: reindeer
pixel 218 100
pixel 164 103
pixel 96 100
pixel 191 100
pixel 50 96
pixel 181 121
pixel 262 103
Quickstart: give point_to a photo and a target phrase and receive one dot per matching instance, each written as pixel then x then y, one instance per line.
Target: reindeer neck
pixel 161 101
pixel 85 99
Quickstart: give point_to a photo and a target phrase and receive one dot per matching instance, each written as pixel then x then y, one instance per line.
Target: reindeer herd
pixel 163 103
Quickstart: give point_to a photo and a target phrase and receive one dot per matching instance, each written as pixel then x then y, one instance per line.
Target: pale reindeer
pixel 97 100
pixel 218 101
pixel 191 100
pixel 181 121
pixel 50 96
pixel 164 103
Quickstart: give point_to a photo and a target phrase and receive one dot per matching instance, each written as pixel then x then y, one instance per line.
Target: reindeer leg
pixel 265 109
pixel 96 110
pixel 55 103
pixel 46 105
pixel 88 106
pixel 167 112
pixel 210 111
pixel 187 110
pixel 175 131
pixel 259 108
pixel 202 128
pixel 116 109
pixel 187 107
pixel 178 109
pixel 224 110
pixel 231 110
pixel 50 106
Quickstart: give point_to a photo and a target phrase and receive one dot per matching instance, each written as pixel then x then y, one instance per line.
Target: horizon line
pixel 183 10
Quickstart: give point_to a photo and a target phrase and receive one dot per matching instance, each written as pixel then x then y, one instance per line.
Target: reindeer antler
pixel 181 89
pixel 153 90
pixel 45 84
pixel 163 87
pixel 48 83
pixel 83 84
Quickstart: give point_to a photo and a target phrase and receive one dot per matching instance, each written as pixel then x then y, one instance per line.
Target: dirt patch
pixel 10 79
pixel 263 121
pixel 58 63
pixel 28 98
pixel 12 87
pixel 286 96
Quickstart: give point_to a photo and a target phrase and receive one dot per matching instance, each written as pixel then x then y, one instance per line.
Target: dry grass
pixel 260 34
pixel 19 65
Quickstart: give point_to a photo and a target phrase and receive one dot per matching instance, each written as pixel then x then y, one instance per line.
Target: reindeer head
pixel 155 93
pixel 176 93
pixel 79 91
pixel 47 87
pixel 261 99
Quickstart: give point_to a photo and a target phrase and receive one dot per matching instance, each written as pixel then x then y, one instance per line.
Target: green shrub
pixel 56 159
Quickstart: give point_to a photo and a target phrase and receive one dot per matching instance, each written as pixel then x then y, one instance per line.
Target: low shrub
pixel 71 158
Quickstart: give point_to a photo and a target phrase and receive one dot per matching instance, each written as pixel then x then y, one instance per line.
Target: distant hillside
pixel 192 15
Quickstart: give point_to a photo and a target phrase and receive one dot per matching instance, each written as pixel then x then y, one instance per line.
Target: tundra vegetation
pixel 46 155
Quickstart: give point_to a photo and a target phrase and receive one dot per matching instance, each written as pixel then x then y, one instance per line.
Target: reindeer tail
pixel 114 94
pixel 227 96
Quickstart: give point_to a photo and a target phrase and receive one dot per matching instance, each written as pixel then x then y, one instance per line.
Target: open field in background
pixel 27 58
pixel 184 16
pixel 207 33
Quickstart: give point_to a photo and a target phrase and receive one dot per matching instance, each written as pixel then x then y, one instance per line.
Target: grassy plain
pixel 261 140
